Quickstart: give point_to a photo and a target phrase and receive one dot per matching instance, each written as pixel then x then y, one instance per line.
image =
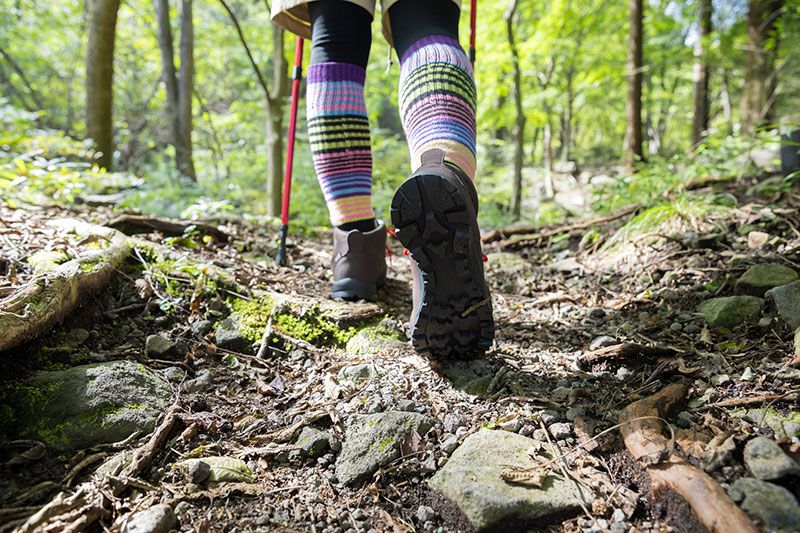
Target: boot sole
pixel 351 289
pixel 432 221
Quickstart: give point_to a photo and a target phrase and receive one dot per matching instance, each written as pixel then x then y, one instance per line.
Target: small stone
pixel 199 471
pixel 173 374
pixel 560 430
pixel 619 527
pixel 561 393
pixel 730 311
pixel 549 416
pixel 313 442
pixel 358 514
pixel 692 329
pixel 766 460
pixel 540 435
pixel 201 328
pixel 200 382
pixel 758 279
pixel 764 322
pixel 76 336
pixel 158 347
pixel 157 519
pixel 597 313
pixel 748 375
pixel 453 421
pixel 574 412
pixel 161 321
pixel 676 327
pixel 449 443
pixel 227 336
pixel 354 375
pixel 512 425
pixel 527 430
pixel 619 515
pixel 722 379
pixel 623 373
pixel 425 514
pixel 602 342
pixel 757 239
pixel 786 300
pixel 772 504
pixel 406 405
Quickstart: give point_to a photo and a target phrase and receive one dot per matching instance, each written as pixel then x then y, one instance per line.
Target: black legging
pixel 342 31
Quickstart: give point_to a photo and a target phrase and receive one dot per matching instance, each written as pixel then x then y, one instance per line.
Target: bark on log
pixel 623 352
pixel 645 441
pixel 133 224
pixel 49 297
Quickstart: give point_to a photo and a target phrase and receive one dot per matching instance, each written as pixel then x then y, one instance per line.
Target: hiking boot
pixel 359 263
pixel 435 216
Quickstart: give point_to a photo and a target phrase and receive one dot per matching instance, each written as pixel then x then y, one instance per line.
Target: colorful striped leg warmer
pixel 437 101
pixel 338 131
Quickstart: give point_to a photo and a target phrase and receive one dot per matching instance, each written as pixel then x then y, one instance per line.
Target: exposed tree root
pixel 623 352
pixel 645 441
pixel 133 224
pixel 49 297
pixel 538 234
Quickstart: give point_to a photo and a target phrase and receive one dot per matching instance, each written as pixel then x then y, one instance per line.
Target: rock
pixel 313 442
pixel 773 505
pixel 786 300
pixel 406 405
pixel 730 311
pixel 757 239
pixel 157 519
pixel 449 444
pixel 471 479
pixel 374 440
pixel 758 279
pixel 199 471
pixel 601 342
pixel 560 430
pixel 200 382
pixel 782 426
pixel 549 416
pixel 748 375
pixel 376 340
pixel 88 405
pixel 76 336
pixel 201 328
pixel 158 347
pixel 425 514
pixel 453 421
pixel 354 375
pixel 506 263
pixel 512 425
pixel 228 336
pixel 766 460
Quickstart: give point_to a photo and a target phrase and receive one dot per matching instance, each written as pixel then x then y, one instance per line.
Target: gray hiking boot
pixel 435 216
pixel 359 263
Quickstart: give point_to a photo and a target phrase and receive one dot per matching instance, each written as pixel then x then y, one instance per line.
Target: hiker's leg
pixel 338 127
pixel 437 91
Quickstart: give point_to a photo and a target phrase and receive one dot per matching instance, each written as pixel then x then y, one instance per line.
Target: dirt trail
pixel 551 378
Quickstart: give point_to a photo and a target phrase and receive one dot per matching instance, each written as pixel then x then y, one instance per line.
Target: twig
pixel 145 454
pixel 737 402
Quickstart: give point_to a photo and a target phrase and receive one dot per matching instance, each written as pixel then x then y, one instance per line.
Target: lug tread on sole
pixel 433 223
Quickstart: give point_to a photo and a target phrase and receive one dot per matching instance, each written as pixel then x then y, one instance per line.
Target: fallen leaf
pixel 411 444
pixel 692 442
pixel 223 468
pixel 718 451
pixel 30 455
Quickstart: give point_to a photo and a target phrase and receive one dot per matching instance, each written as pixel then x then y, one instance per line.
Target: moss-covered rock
pixel 730 311
pixel 376 339
pixel 86 405
pixel 758 279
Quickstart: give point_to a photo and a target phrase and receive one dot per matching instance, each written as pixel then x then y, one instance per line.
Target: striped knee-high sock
pixel 338 132
pixel 437 101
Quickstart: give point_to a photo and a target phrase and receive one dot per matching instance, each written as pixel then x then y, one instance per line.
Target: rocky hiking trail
pixel 161 375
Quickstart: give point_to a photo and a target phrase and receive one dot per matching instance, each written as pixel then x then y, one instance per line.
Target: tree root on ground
pixel 49 297
pixel 623 352
pixel 133 224
pixel 641 431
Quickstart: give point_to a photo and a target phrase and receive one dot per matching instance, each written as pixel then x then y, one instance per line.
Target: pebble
pixel 158 347
pixel 560 430
pixel 527 430
pixel 406 405
pixel 766 460
pixel 549 416
pixel 575 412
pixel 597 313
pixel 358 514
pixel 425 514
pixel 449 443
pixel 692 329
pixel 623 373
pixel 619 515
pixel 201 328
pixel 453 421
pixel 157 519
pixel 199 471
pixel 602 342
pixel 513 425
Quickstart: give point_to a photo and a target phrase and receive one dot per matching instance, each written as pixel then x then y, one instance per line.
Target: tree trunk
pixel 547 154
pixel 760 76
pixel 102 16
pixel 700 74
pixel 519 128
pixel 566 118
pixel 275 144
pixel 633 135
pixel 725 98
pixel 183 146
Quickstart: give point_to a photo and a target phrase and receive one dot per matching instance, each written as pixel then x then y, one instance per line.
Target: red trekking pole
pixel 297 75
pixel 473 13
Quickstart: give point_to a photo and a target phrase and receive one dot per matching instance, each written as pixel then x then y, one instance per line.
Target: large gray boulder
pixel 786 300
pixel 471 479
pixel 372 441
pixel 90 404
pixel 730 311
pixel 758 279
pixel 766 460
pixel 772 504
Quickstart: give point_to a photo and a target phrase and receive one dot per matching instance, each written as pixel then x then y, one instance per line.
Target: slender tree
pixel 275 95
pixel 700 73
pixel 758 100
pixel 178 85
pixel 633 135
pixel 519 125
pixel 102 27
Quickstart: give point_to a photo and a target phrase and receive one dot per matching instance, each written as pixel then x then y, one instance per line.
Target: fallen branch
pixel 753 400
pixel 49 297
pixel 539 233
pixel 134 224
pixel 625 351
pixel 645 441
pixel 144 455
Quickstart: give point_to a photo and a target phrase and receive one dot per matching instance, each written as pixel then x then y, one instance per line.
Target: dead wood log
pixel 624 352
pixel 538 233
pixel 49 297
pixel 133 224
pixel 642 433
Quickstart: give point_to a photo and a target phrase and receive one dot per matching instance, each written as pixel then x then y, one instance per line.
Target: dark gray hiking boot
pixel 359 263
pixel 435 216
